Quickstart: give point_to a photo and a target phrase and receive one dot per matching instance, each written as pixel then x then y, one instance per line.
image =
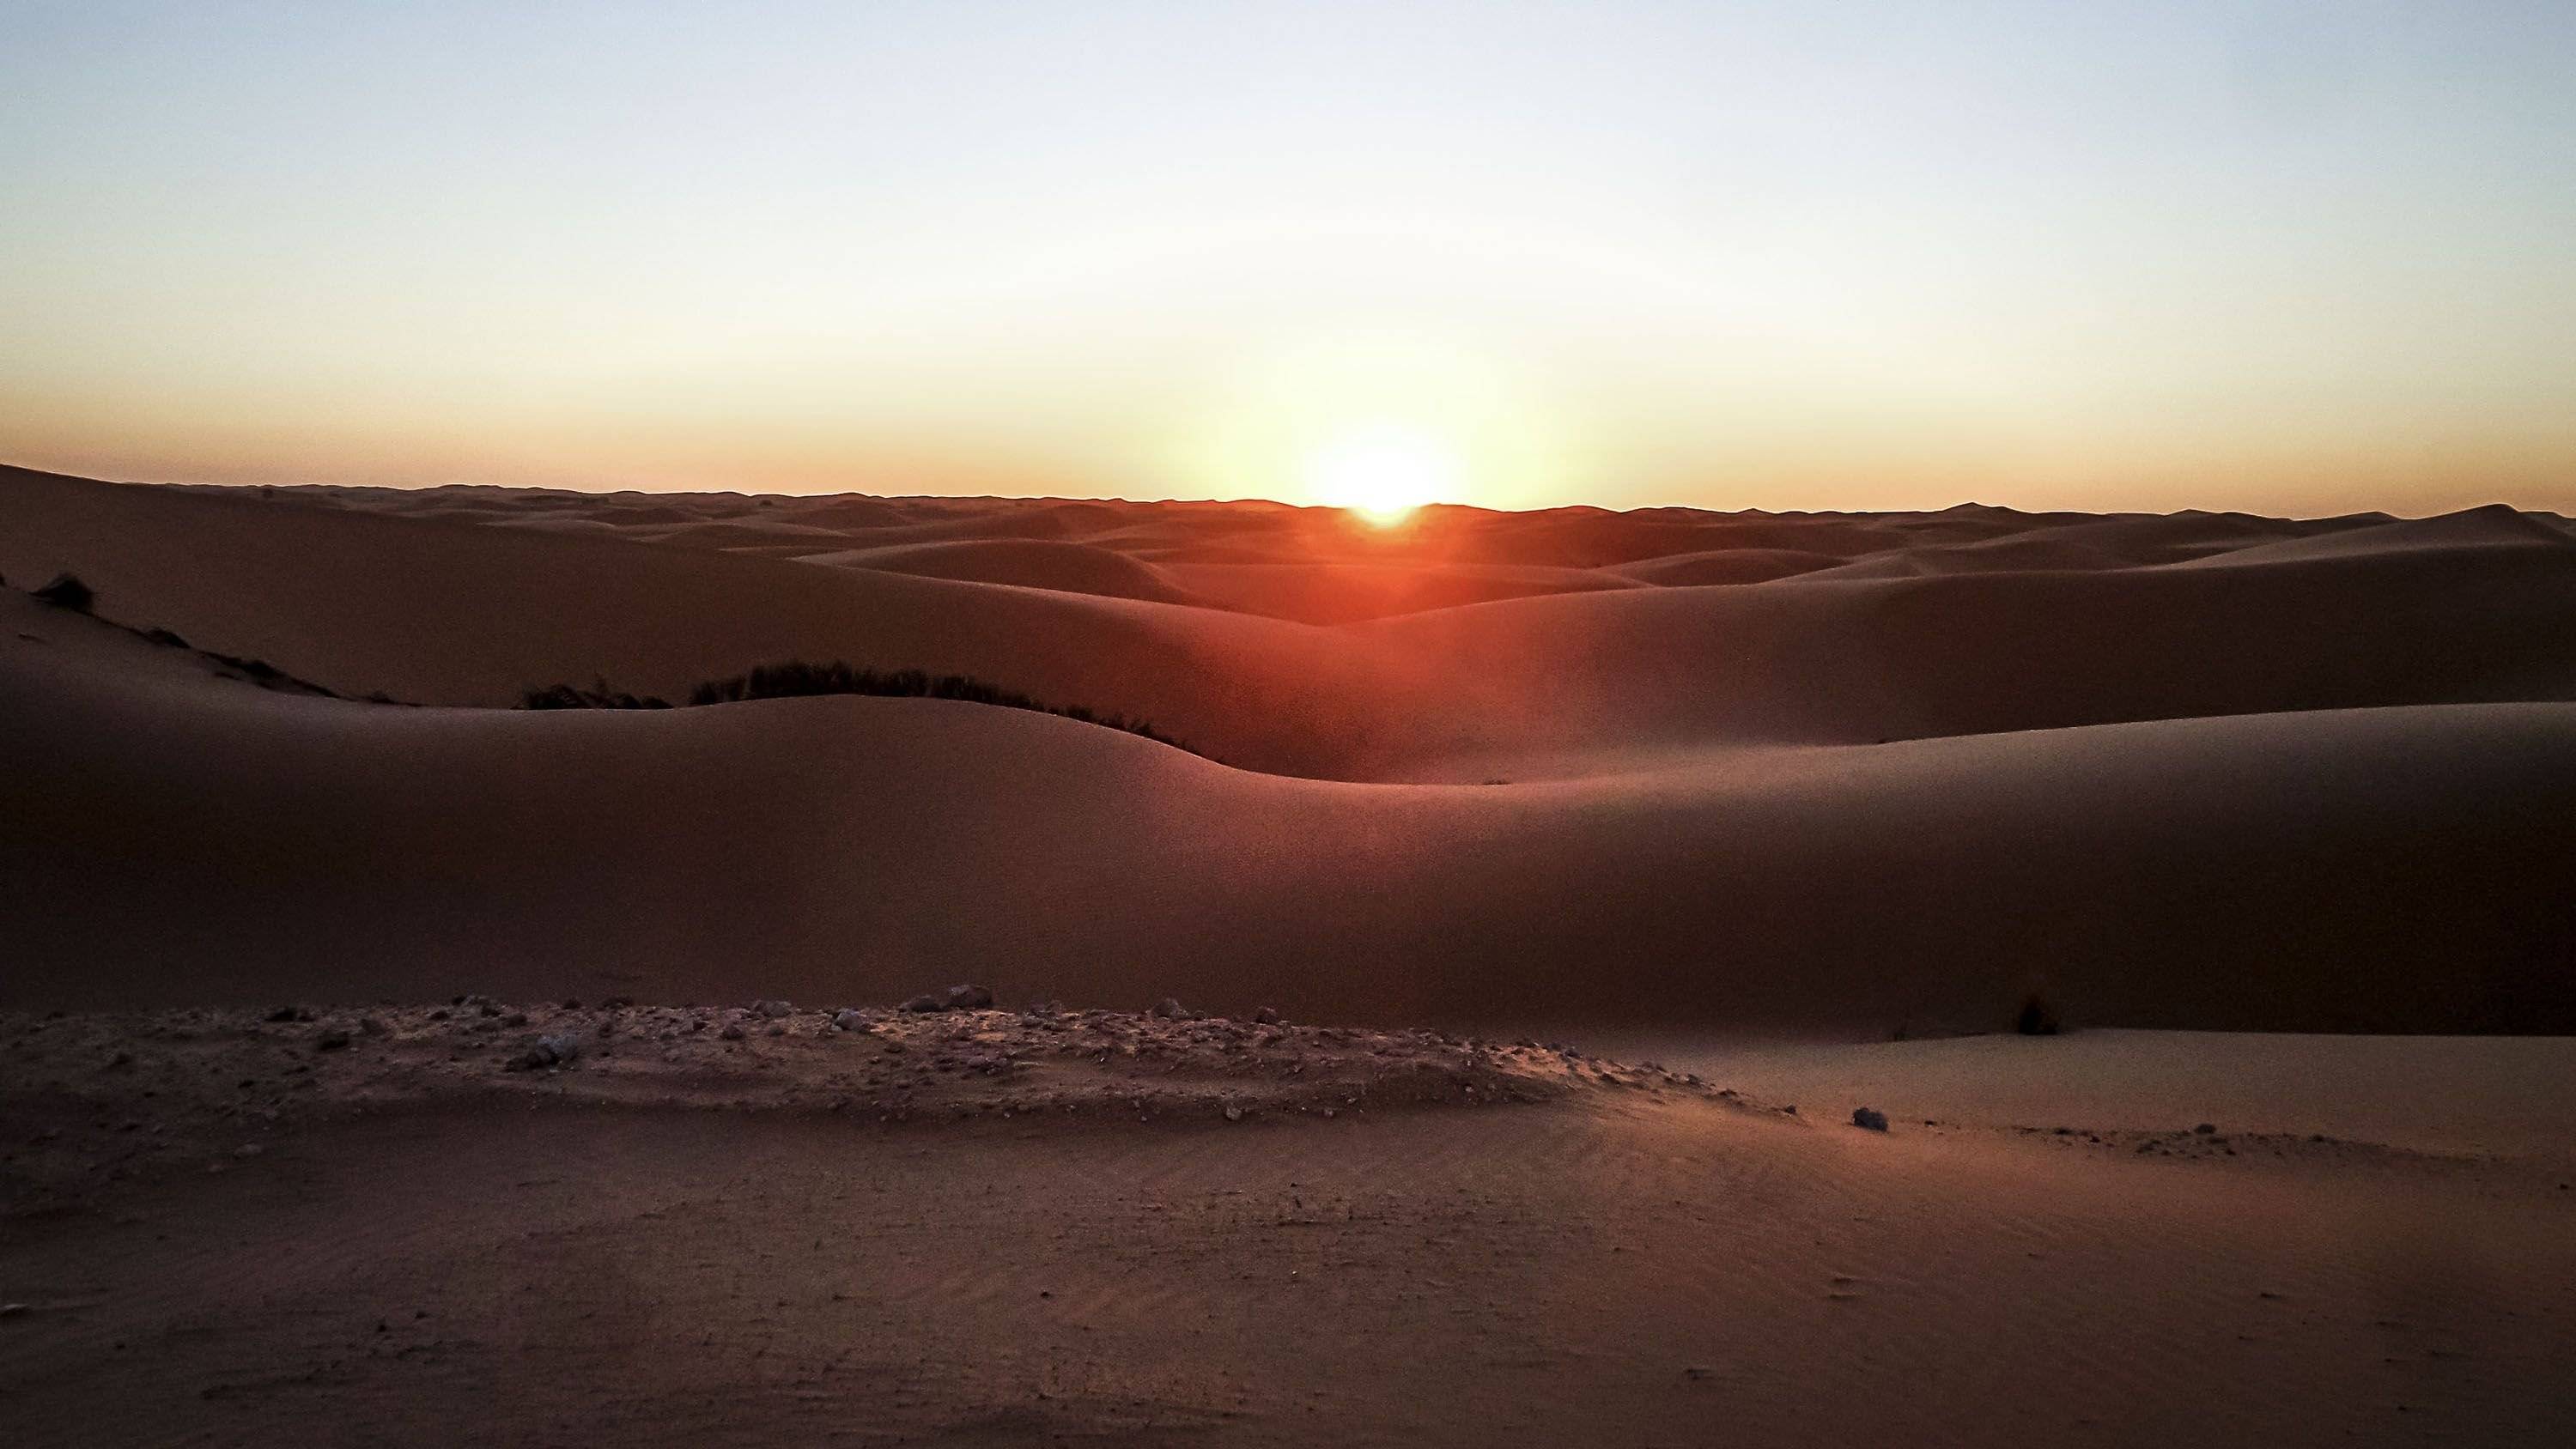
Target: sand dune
pixel 1072 568
pixel 1346 592
pixel 2327 790
pixel 1748 795
pixel 2387 869
pixel 1556 680
pixel 2492 527
pixel 1726 566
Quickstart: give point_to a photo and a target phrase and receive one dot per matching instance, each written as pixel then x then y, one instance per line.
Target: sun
pixel 1382 473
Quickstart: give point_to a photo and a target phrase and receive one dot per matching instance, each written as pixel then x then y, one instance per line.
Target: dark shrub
pixel 68 592
pixel 797 679
pixel 2038 1017
pixel 598 696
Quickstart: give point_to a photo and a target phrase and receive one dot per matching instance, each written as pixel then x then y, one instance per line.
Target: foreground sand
pixel 1049 1227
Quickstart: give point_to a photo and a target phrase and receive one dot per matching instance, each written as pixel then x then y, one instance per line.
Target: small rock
pixel 926 1003
pixel 331 1041
pixel 12 1310
pixel 1870 1118
pixel 1170 1009
pixel 773 1009
pixel 732 1031
pixel 2205 1128
pixel 516 1018
pixel 1233 1113
pixel 1266 1016
pixel 548 1051
pixel 850 1020
pixel 969 998
pixel 290 1013
pixel 374 1026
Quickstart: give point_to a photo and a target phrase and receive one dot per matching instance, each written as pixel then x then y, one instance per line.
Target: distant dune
pixel 2204 770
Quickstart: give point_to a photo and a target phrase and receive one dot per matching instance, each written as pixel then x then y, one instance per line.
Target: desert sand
pixel 1590 869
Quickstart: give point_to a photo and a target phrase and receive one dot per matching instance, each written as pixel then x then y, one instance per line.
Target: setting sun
pixel 1382 474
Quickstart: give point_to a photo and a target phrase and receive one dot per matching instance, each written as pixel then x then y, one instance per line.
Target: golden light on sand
pixel 1383 472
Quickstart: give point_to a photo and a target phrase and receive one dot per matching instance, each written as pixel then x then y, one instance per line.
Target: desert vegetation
pixel 798 678
pixel 68 592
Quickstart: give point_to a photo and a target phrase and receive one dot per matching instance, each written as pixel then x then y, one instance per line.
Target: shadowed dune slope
pixel 1343 592
pixel 2459 535
pixel 1072 568
pixel 1727 566
pixel 176 837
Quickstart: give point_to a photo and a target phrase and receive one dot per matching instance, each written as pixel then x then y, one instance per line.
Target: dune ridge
pixel 1554 681
pixel 2385 868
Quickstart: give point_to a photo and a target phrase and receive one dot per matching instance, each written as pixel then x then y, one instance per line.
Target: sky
pixel 2301 258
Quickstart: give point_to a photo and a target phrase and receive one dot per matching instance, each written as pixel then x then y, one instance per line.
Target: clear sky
pixel 2291 257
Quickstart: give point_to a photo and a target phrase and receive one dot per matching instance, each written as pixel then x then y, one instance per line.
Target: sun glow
pixel 1382 473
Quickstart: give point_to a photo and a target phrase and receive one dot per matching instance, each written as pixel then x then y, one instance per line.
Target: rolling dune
pixel 1551 683
pixel 2387 869
pixel 2323 786
pixel 1807 807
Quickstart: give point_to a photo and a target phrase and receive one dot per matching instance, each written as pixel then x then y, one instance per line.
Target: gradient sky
pixel 2291 257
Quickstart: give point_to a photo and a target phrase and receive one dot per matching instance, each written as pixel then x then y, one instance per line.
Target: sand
pixel 998 1228
pixel 1805 807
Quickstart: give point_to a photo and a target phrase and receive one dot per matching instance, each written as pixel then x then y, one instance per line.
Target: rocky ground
pixel 495 1222
pixel 88 1099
